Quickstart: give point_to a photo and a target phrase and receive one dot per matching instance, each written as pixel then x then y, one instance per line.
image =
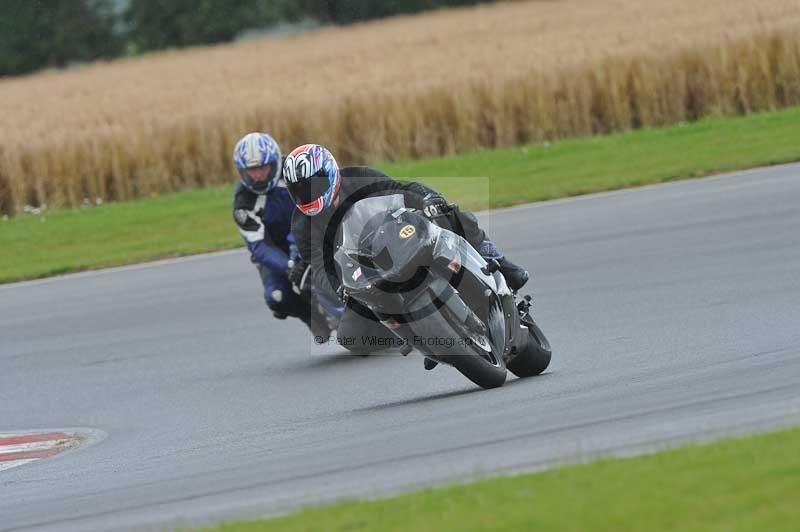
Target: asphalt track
pixel 674 313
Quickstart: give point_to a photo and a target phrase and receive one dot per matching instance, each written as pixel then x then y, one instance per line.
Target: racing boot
pixel 515 276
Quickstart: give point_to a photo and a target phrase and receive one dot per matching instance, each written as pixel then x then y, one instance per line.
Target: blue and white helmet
pixel 258 161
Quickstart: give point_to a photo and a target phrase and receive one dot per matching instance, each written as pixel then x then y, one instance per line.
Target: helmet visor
pixel 259 178
pixel 305 191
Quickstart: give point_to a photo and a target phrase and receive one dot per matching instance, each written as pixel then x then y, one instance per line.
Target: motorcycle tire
pixel 486 369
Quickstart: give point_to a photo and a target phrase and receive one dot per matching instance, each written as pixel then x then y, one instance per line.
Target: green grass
pixel 734 485
pixel 635 158
pixel 199 220
pixel 115 234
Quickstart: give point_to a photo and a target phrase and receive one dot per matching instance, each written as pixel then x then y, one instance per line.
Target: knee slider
pixel 276 300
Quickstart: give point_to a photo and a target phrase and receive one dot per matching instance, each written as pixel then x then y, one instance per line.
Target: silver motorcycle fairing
pixel 453 261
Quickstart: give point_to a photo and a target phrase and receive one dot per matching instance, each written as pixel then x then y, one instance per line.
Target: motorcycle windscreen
pixel 364 215
pixel 359 262
pixel 384 248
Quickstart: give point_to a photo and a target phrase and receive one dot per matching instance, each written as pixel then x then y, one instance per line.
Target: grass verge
pixel 734 485
pixel 199 220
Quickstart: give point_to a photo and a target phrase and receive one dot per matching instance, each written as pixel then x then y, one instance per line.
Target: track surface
pixel 674 312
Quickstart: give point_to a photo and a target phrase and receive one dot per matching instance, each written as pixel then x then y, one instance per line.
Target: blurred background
pixel 37 34
pixel 114 100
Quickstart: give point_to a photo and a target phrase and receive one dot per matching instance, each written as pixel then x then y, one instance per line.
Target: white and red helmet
pixel 312 178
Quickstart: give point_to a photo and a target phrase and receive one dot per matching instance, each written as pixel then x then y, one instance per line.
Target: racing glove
pixel 434 205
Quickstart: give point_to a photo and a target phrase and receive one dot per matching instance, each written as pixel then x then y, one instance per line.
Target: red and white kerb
pixel 21 449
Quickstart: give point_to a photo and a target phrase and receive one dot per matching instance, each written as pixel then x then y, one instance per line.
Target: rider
pixel 262 209
pixel 317 185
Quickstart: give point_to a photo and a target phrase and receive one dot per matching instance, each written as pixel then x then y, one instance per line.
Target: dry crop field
pixel 407 87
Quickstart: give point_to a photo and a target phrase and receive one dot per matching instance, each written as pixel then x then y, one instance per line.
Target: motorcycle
pixel 434 291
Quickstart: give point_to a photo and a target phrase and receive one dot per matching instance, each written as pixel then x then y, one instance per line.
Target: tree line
pixel 37 34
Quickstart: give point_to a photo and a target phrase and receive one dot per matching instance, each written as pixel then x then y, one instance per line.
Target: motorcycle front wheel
pixel 478 360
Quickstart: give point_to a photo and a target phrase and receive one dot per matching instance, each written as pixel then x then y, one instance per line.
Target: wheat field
pixel 406 87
